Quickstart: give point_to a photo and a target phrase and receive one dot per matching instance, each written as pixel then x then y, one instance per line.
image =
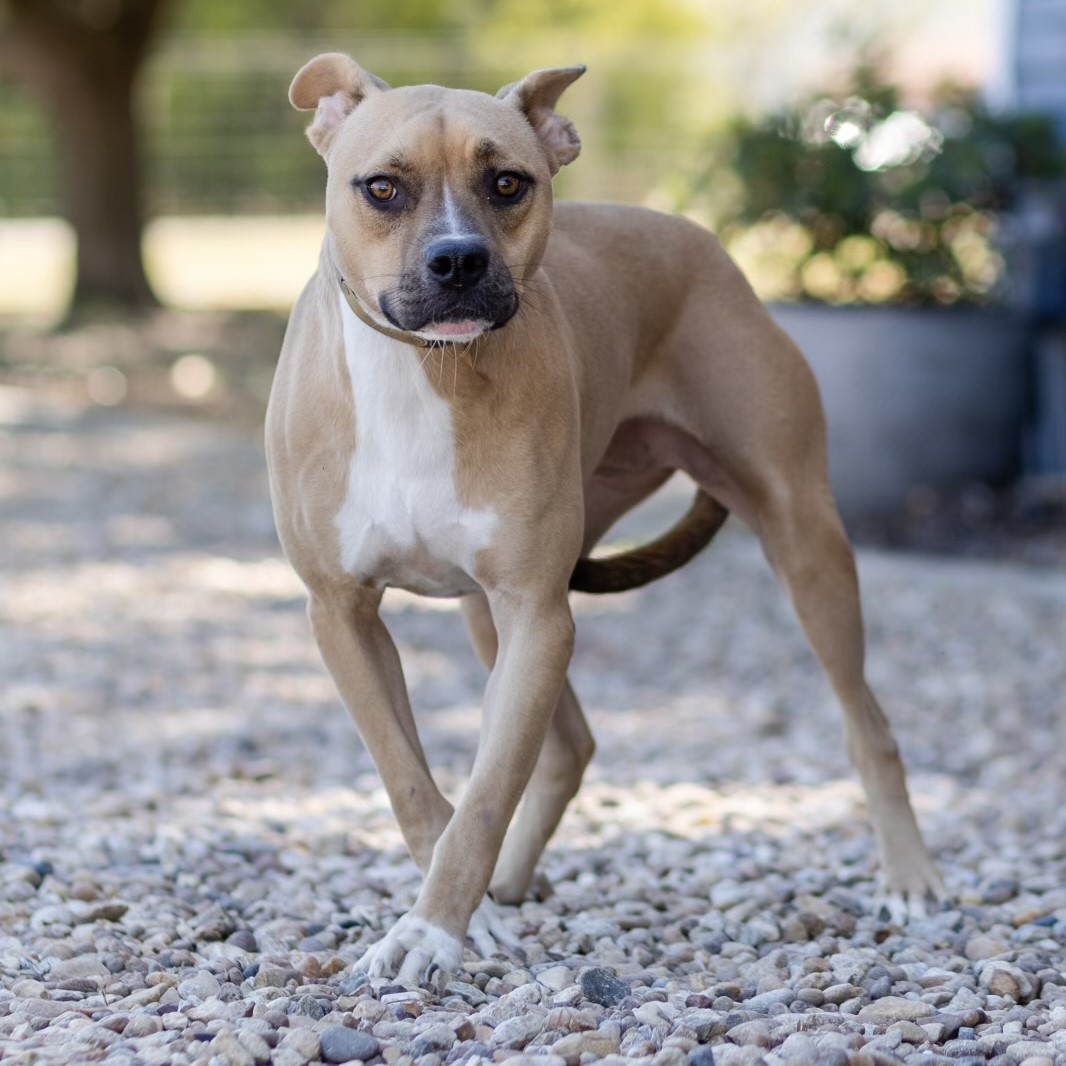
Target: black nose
pixel 457 264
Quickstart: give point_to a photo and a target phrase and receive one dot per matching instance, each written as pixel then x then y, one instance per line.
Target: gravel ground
pixel 194 847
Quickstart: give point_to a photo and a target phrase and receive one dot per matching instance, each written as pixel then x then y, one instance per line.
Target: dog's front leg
pixel 364 664
pixel 536 634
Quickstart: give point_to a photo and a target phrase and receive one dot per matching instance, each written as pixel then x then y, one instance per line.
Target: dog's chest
pixel 402 522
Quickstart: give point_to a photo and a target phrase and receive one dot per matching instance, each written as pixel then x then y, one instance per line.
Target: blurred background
pixel 891 177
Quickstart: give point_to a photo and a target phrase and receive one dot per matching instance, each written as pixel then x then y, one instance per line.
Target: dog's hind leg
pixel 751 433
pixel 807 548
pixel 568 747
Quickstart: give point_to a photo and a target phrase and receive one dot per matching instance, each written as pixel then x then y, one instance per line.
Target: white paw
pixel 489 932
pixel 911 893
pixel 898 908
pixel 412 951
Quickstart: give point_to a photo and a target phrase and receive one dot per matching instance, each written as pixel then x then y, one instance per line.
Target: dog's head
pixel 438 201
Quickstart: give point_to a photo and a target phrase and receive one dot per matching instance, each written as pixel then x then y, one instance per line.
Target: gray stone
pixel 602 987
pixel 841 993
pixel 352 983
pixel 437 1037
pixel 309 1006
pixel 766 1000
pixel 1029 1049
pixel 270 976
pixel 999 891
pixel 556 977
pixel 143 1025
pixel 575 1045
pixel 985 947
pixel 254 1044
pixel 1006 980
pixel 757 1033
pixel 79 966
pixel 705 1023
pixel 244 939
pixel 517 1032
pixel 227 1047
pixel 300 1045
pixel 341 1044
pixel 890 1009
pixel 201 986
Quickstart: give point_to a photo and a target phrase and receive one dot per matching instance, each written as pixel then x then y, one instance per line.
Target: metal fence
pixel 220 137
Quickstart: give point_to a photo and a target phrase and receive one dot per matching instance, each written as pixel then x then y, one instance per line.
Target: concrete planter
pixel 913 397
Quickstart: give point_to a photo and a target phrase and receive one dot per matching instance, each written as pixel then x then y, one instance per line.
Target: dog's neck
pixel 366 318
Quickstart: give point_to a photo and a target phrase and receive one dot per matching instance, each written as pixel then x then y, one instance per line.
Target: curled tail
pixel 631 569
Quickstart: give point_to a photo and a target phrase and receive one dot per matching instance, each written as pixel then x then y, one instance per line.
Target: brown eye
pixel 381 189
pixel 508 185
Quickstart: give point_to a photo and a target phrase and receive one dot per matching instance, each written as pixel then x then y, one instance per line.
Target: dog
pixel 473 387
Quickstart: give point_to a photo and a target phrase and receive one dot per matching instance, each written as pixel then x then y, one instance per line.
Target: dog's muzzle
pixel 460 282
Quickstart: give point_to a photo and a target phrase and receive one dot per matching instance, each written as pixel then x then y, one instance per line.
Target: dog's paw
pixel 490 934
pixel 910 892
pixel 413 950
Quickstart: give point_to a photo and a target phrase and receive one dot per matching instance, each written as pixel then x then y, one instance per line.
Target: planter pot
pixel 931 397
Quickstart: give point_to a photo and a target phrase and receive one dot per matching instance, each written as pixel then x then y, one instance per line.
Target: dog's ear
pixel 332 85
pixel 536 96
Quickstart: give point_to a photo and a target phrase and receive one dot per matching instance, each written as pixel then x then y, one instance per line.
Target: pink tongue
pixel 454 329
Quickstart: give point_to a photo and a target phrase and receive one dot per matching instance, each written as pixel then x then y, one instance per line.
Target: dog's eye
pixel 381 189
pixel 509 186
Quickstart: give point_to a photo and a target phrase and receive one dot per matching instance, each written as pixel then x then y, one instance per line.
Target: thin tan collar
pixel 361 313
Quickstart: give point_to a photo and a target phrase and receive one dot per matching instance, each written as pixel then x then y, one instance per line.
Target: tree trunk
pixel 101 189
pixel 83 61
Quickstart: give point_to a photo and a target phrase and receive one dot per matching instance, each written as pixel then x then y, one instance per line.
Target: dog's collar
pixel 361 313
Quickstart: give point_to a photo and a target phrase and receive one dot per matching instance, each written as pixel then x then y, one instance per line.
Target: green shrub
pixel 854 198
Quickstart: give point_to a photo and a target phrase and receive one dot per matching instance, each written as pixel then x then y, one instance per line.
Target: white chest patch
pixel 402 522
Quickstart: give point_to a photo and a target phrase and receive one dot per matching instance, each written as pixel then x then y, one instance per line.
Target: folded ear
pixel 333 85
pixel 536 96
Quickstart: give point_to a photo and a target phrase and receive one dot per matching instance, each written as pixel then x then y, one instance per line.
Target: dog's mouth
pixel 462 330
pixel 454 321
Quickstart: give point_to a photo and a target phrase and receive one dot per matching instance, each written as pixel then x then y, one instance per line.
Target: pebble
pixel 757 1033
pixel 142 1025
pixel 909 1031
pixel 200 987
pixel 297 1047
pixel 890 1009
pixel 575 1045
pixel 341 1044
pixel 1029 1049
pixel 228 1048
pixel 517 1032
pixel 435 1038
pixel 985 947
pixel 1010 982
pixel 602 987
pixel 556 977
pixel 78 966
pixel 256 1045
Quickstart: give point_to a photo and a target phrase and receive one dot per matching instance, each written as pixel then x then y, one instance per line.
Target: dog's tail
pixel 631 569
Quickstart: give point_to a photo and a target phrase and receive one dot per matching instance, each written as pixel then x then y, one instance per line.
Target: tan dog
pixel 472 389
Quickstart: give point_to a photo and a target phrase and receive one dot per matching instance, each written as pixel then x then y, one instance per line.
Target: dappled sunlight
pixel 253 579
pixel 63 598
pixel 698 812
pixel 160 653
